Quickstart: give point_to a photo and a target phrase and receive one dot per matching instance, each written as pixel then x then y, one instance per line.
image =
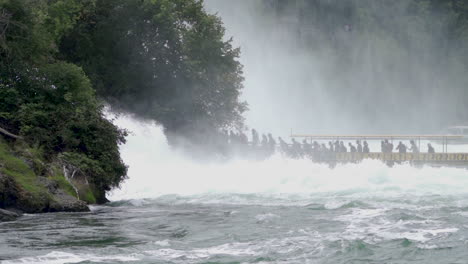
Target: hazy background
pixel 347 66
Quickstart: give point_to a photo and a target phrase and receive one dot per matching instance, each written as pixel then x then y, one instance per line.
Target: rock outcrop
pixel 31 186
pixel 6 215
pixel 51 199
pixel 60 201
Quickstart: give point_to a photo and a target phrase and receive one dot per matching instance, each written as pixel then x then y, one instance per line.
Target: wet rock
pixel 6 215
pixel 63 202
pixel 60 200
pixel 9 191
pixel 54 199
pixel 41 194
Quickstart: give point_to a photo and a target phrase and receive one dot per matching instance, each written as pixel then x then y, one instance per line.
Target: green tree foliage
pixel 166 61
pixel 158 59
pixel 52 103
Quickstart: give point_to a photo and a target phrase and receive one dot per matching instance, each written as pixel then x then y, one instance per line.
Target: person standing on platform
pixel 306 147
pixel 330 146
pixel 365 149
pixel 413 147
pixel 389 146
pixel 359 146
pixel 430 149
pixel 337 146
pixel 283 145
pixel 296 148
pixel 401 147
pixel 352 148
pixel 255 138
pixel 271 143
pixel 342 147
pixel 264 141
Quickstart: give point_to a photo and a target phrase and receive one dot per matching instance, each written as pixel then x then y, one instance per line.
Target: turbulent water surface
pixel 387 225
pixel 172 210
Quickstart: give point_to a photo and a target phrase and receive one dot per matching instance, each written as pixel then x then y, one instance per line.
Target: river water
pixel 173 210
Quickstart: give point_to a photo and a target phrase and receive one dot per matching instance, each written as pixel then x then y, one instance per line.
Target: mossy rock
pixel 9 191
pixel 8 215
pixel 21 188
pixel 86 194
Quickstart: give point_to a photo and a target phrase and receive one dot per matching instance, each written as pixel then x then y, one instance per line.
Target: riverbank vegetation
pixel 28 184
pixel 62 61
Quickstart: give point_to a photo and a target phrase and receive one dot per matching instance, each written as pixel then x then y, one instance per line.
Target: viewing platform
pixel 438 159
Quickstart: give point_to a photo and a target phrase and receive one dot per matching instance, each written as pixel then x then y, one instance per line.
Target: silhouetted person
pixel 389 146
pixel 264 141
pixel 352 148
pixel 296 148
pixel 306 147
pixel 330 146
pixel 337 146
pixel 365 148
pixel 255 138
pixel 359 146
pixel 324 148
pixel 283 145
pixel 271 142
pixel 413 147
pixel 382 146
pixel 342 147
pixel 430 149
pixel 315 147
pixel 401 147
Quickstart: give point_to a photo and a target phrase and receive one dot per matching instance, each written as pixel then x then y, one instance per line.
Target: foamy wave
pixel 373 225
pixel 234 249
pixel 156 170
pixel 58 257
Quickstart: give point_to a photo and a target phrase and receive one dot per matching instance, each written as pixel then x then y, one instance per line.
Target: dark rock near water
pixel 53 199
pixel 60 200
pixel 9 191
pixel 6 215
pixel 63 202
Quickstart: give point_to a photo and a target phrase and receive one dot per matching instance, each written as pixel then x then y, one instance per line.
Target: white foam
pixel 58 257
pixel 419 235
pixel 284 245
pixel 162 243
pixel 231 249
pixel 426 246
pixel 373 225
pixel 266 217
pixel 156 170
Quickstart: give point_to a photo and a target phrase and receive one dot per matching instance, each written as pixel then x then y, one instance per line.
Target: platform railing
pixel 444 139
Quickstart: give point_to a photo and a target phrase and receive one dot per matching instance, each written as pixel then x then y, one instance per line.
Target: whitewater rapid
pixel 175 210
pixel 156 170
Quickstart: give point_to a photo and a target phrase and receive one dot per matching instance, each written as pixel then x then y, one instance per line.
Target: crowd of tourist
pixel 265 145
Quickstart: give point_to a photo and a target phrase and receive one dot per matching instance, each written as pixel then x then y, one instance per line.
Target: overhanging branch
pixel 6 133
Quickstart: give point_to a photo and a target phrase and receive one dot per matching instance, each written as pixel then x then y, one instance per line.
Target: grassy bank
pixel 30 184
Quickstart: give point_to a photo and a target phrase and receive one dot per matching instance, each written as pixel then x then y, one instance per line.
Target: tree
pixel 166 61
pixel 51 103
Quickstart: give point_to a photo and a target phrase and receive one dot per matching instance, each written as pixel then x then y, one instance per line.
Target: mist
pixel 182 181
pixel 343 68
pixel 158 171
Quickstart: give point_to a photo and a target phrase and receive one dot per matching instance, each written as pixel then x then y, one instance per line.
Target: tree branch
pixel 6 133
pixel 5 19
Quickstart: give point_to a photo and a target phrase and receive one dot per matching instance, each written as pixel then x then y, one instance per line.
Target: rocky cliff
pixel 28 184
